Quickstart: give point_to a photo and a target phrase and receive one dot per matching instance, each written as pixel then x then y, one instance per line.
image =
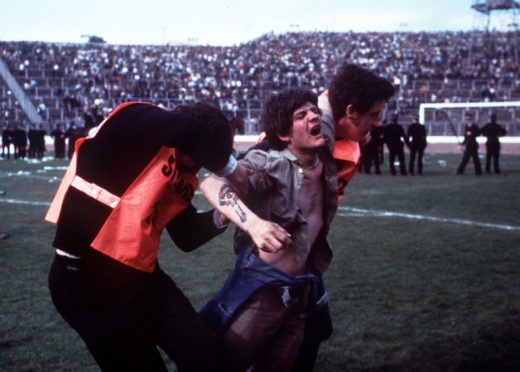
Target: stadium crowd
pixel 68 81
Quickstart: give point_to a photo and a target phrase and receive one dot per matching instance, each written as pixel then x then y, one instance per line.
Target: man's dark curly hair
pixel 205 112
pixel 277 115
pixel 359 87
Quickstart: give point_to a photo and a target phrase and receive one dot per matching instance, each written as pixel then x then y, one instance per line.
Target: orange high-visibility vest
pixel 347 154
pixel 132 231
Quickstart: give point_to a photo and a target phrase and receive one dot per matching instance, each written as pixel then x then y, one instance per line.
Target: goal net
pixel 445 121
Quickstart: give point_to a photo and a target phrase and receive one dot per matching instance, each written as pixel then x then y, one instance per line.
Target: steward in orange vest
pixel 134 175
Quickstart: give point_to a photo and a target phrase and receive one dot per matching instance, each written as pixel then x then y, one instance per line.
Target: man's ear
pixel 350 112
pixel 284 138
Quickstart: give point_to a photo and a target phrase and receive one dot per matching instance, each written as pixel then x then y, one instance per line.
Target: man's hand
pixel 239 180
pixel 265 183
pixel 268 236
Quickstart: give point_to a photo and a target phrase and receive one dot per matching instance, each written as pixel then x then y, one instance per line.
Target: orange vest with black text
pixel 132 232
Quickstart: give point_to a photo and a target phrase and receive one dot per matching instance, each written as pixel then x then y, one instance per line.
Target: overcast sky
pixel 221 22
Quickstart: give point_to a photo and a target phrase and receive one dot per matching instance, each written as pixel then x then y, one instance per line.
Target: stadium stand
pixel 83 82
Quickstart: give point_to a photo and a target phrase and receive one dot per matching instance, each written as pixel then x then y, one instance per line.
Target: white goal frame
pixel 461 105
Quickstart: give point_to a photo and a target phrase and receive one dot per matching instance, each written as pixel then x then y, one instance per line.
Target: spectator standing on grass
pixel 469 146
pixel 416 139
pixel 58 136
pixel 263 324
pixel 395 139
pixel 111 209
pixel 493 131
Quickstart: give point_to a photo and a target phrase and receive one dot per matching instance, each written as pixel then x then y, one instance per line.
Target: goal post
pixel 445 120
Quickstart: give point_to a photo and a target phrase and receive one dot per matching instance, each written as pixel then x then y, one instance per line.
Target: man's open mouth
pixel 316 130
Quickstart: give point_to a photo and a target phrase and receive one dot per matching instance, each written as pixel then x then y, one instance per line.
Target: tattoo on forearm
pixel 228 197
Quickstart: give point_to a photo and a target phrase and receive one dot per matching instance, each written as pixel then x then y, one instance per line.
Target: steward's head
pixel 208 128
pixel 359 87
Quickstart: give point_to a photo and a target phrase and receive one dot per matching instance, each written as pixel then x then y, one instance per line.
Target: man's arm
pixel 181 230
pixel 267 236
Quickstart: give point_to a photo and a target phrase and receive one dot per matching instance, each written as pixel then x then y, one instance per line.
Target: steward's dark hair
pixel 215 125
pixel 277 115
pixel 359 87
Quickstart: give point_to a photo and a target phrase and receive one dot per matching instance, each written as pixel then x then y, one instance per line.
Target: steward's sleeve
pixel 191 229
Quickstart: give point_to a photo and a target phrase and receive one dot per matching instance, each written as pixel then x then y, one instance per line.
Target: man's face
pixel 355 126
pixel 305 135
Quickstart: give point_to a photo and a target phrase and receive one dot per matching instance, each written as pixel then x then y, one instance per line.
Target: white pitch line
pixel 357 212
pixel 350 212
pixel 24 202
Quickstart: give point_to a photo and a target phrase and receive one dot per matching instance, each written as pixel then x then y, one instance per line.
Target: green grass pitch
pixel 425 277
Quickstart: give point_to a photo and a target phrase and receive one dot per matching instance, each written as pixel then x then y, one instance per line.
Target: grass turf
pixel 425 275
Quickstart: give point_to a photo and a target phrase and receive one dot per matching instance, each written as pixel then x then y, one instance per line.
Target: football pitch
pixel 425 277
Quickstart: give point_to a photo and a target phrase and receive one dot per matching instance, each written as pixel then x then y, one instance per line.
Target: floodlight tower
pixel 500 15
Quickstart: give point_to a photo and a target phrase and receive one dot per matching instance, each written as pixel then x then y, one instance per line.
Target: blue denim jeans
pixel 249 275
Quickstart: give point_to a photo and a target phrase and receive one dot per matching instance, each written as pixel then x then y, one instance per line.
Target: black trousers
pixel 416 152
pixel 123 327
pixel 493 154
pixel 470 152
pixel 372 156
pixel 399 152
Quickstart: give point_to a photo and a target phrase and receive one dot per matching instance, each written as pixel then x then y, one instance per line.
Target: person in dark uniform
pixel 133 177
pixel 7 139
pixel 372 150
pixel 40 142
pixel 59 142
pixel 416 138
pixel 362 156
pixel 20 141
pixel 32 137
pixel 470 146
pixel 381 149
pixel 492 131
pixel 395 139
pixel 73 133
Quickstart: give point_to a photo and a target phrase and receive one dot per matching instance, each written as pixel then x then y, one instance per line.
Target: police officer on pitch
pixel 416 137
pixel 470 146
pixel 395 139
pixel 372 150
pixel 493 131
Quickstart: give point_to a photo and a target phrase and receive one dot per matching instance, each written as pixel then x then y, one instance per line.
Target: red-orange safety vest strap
pixel 346 153
pixel 53 212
